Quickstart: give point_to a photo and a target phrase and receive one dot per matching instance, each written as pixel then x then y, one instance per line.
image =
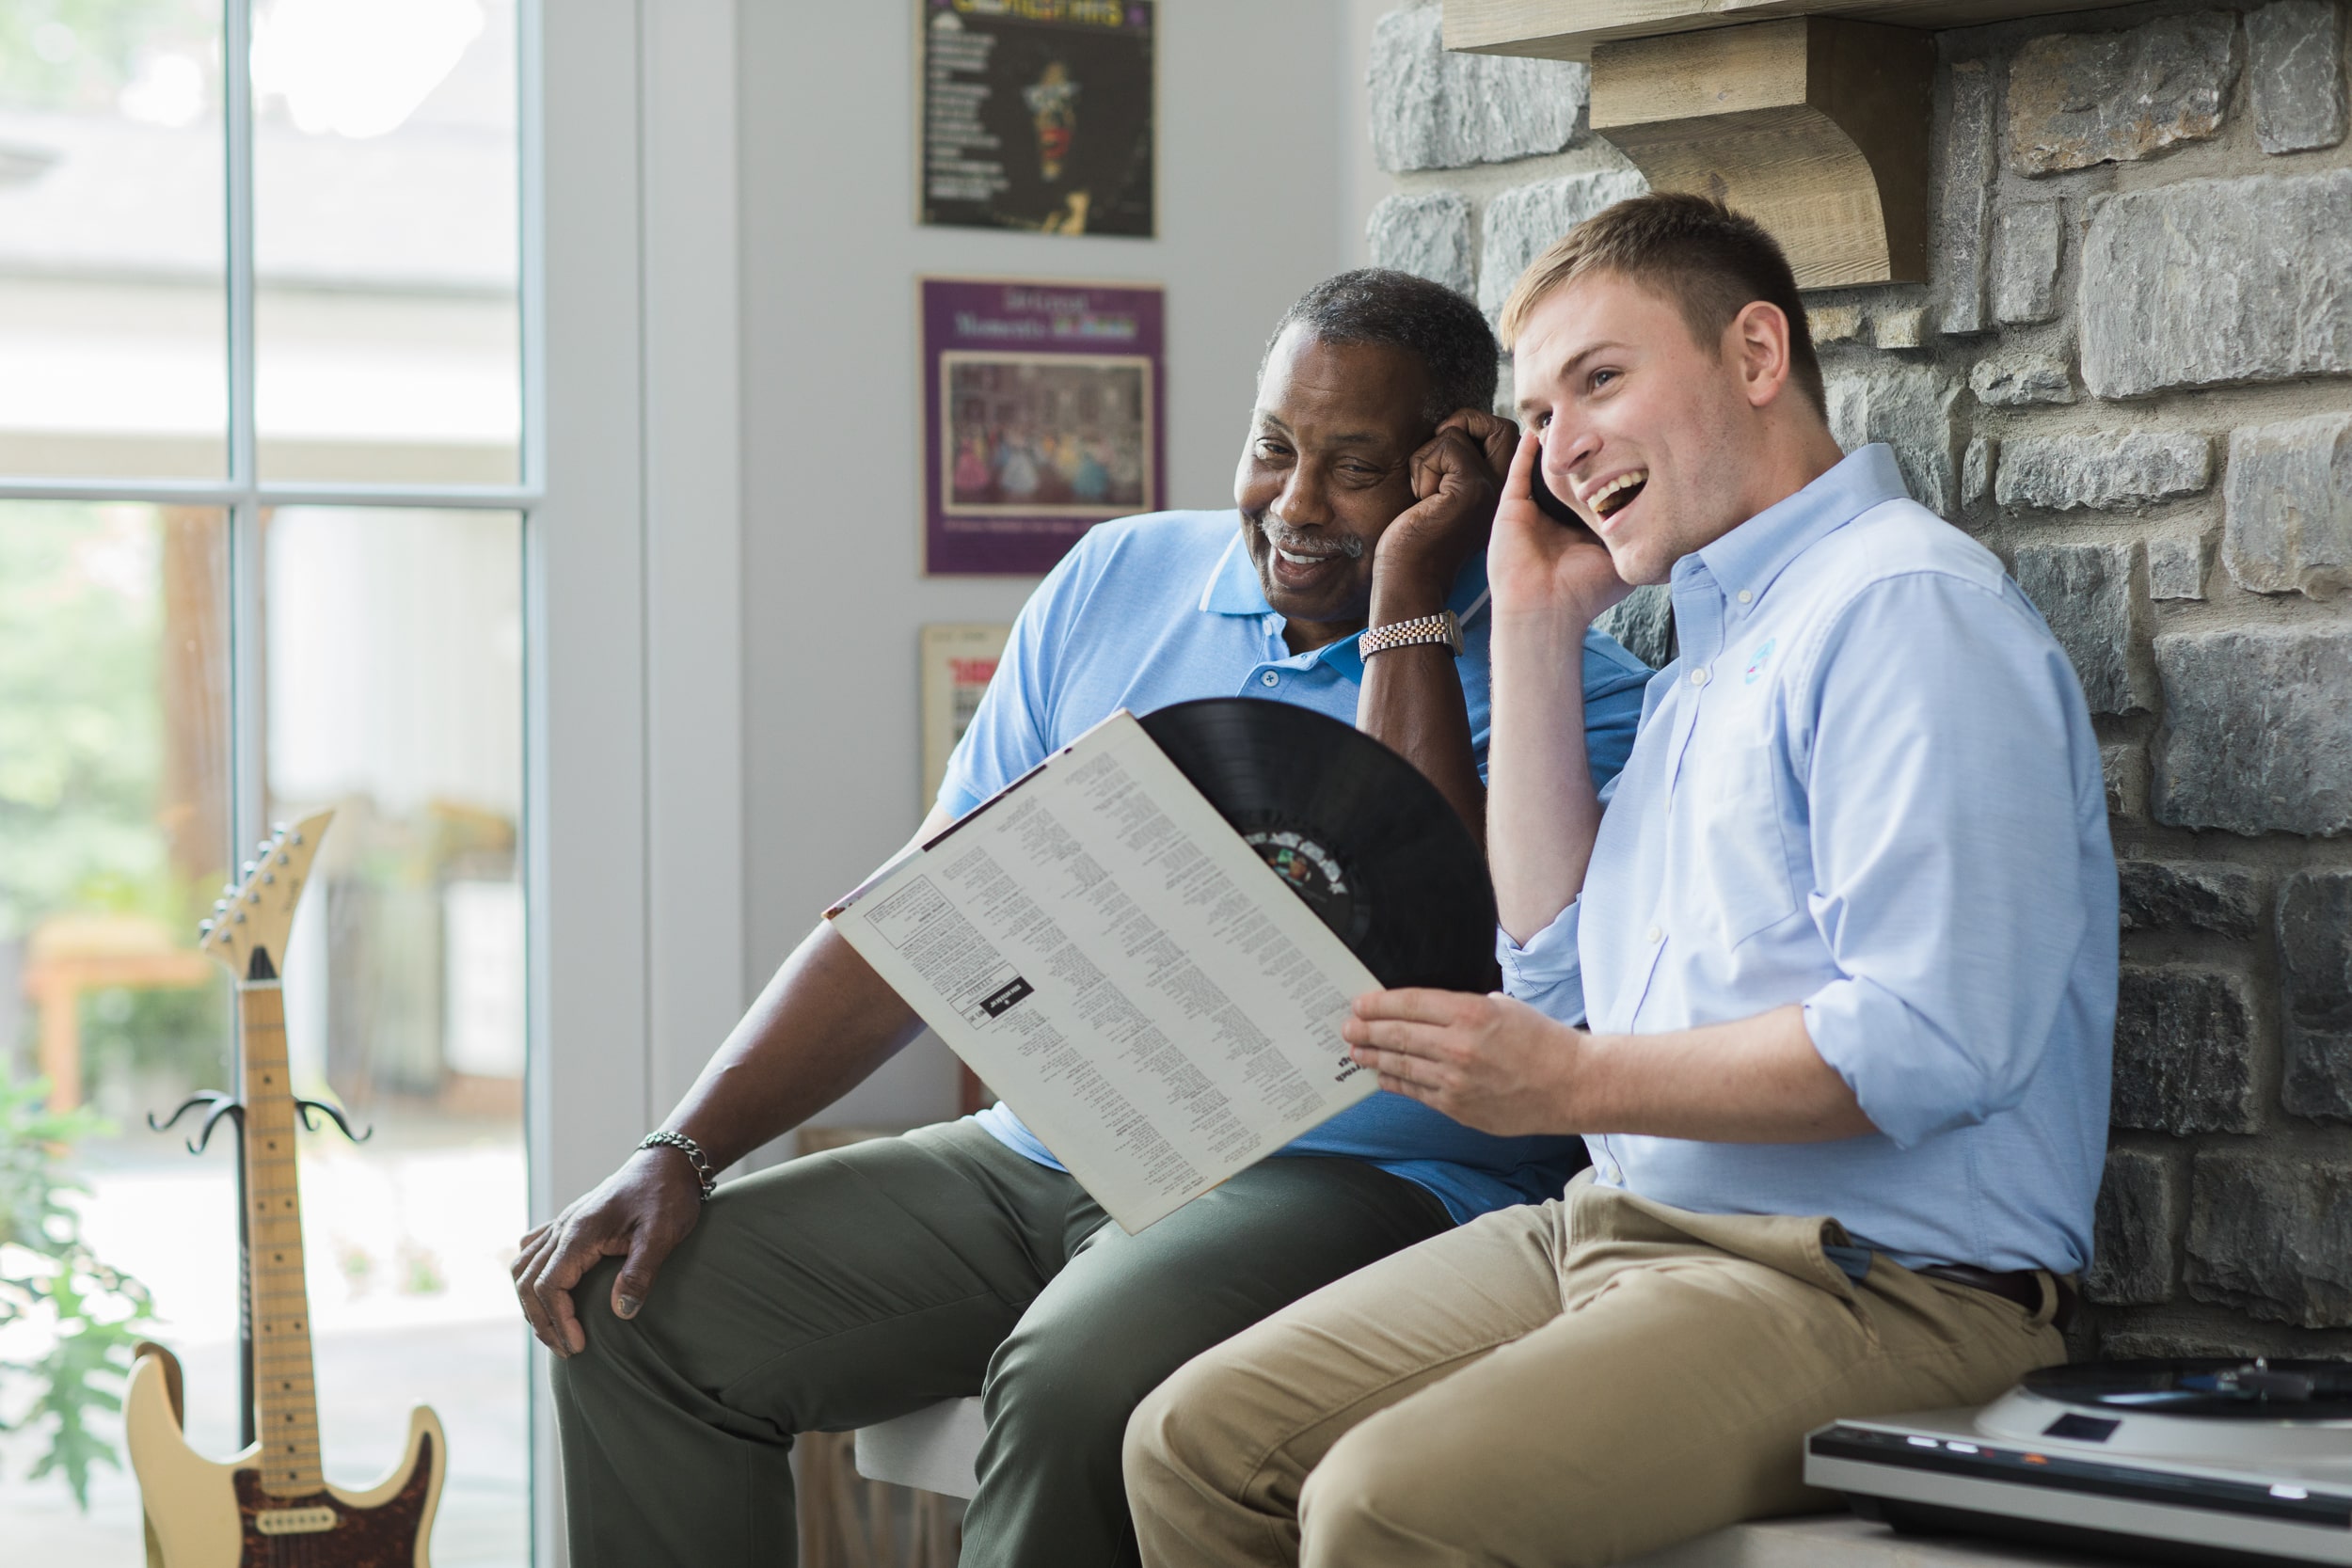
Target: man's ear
pixel 1757 342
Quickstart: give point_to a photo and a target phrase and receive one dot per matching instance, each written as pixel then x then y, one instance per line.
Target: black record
pixel 1354 828
pixel 2228 1388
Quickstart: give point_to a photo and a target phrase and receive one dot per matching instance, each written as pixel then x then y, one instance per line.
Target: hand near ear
pixel 1538 564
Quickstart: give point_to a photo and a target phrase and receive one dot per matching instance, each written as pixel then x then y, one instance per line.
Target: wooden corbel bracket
pixel 1815 126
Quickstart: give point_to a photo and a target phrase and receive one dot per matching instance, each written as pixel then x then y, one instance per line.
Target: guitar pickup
pixel 294 1521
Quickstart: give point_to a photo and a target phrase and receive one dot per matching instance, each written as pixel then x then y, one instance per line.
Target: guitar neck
pixel 285 1394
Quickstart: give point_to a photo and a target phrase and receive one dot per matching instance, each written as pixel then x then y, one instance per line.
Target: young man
pixel 1829 987
pixel 849 1286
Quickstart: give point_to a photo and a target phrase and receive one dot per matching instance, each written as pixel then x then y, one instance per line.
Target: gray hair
pixel 1397 310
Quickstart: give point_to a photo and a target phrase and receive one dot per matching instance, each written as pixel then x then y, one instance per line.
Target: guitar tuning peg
pixel 263 848
pixel 219 904
pixel 239 917
pixel 284 859
pixel 295 840
pixel 204 928
pixel 245 869
pixel 253 898
pixel 229 890
pixel 280 830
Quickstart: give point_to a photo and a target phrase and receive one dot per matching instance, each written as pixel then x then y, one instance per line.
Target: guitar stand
pixel 219 1103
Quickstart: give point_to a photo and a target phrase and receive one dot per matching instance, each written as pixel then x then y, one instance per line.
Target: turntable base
pixel 1842 1540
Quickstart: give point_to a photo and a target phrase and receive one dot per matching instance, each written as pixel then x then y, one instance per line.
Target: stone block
pixel 2079 98
pixel 2176 566
pixel 2123 767
pixel 2021 378
pixel 2183 1051
pixel 2271 1234
pixel 1834 324
pixel 1910 409
pixel 1901 328
pixel 2131 1258
pixel 2155 1344
pixel 1976 471
pixel 2085 593
pixel 1644 621
pixel 1522 222
pixel 1962 201
pixel 1427 234
pixel 1431 109
pixel 2060 473
pixel 2288 523
pixel 2208 282
pixel 2027 243
pixel 2257 734
pixel 2296 65
pixel 2175 896
pixel 2315 992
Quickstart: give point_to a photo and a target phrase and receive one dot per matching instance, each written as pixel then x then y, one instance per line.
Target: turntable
pixel 2205 1462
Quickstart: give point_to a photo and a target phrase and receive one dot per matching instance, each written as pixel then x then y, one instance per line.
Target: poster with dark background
pixel 1038 114
pixel 1041 417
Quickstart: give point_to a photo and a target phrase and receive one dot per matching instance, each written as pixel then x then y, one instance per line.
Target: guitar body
pixel 206 1515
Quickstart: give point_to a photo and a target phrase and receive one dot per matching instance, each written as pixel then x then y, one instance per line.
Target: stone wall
pixel 2127 375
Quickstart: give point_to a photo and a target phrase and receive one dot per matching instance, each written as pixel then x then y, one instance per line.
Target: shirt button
pixel 1657 935
pixel 1269 678
pixel 1698 676
pixel 1746 596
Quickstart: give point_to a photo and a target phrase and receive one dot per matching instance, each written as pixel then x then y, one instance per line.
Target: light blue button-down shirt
pixel 1167 607
pixel 1869 784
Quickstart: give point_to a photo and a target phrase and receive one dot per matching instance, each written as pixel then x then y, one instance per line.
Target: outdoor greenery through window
pixel 189 651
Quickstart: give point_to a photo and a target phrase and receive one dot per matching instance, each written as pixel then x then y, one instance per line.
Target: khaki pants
pixel 1573 1382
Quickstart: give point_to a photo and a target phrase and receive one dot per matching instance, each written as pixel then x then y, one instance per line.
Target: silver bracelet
pixel 694 1156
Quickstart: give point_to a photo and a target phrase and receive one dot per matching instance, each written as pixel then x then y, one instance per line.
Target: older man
pixel 861 1284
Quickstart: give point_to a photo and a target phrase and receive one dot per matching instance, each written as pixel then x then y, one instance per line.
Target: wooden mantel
pixel 1811 116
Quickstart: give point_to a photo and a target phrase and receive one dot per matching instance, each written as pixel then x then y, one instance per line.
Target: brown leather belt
pixel 2023 1287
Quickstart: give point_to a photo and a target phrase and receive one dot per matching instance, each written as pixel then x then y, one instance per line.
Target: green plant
pixel 50 1277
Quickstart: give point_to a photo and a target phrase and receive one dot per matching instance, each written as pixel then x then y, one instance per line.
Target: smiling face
pixel 1654 438
pixel 1328 466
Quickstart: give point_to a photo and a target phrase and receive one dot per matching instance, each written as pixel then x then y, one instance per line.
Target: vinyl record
pixel 1353 828
pixel 2219 1388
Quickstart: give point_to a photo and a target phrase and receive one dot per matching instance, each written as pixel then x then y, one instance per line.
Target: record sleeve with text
pixel 1107 952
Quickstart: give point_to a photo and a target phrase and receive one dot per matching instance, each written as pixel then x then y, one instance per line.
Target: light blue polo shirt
pixel 1151 611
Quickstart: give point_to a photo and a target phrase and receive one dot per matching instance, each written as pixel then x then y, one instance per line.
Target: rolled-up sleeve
pixel 1546 973
pixel 1946 781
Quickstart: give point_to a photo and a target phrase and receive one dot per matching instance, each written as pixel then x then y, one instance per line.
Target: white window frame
pixel 630 498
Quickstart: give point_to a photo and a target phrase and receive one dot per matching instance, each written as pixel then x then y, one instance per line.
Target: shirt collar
pixel 1754 554
pixel 1233 589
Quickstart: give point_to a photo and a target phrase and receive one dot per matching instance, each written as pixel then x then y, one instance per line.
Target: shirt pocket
pixel 1739 862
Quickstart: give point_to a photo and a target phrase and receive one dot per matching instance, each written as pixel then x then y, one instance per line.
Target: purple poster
pixel 1040 419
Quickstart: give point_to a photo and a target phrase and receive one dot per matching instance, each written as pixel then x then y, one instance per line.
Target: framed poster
pixel 958 663
pixel 1041 417
pixel 1038 114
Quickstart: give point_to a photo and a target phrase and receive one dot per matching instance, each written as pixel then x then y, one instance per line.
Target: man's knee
pixel 1063 1383
pixel 1375 1496
pixel 1178 1438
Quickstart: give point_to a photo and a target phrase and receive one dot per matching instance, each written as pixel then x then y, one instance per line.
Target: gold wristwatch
pixel 1444 627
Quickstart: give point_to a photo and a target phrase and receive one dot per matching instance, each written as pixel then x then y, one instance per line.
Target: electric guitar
pixel 270 1507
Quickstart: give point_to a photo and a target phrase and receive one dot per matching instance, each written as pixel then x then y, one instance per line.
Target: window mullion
pixel 237 87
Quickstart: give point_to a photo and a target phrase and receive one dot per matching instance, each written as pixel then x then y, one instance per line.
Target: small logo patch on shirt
pixel 1756 661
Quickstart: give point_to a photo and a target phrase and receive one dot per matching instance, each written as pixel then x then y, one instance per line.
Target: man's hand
pixel 1539 564
pixel 640 1213
pixel 1457 476
pixel 1488 1062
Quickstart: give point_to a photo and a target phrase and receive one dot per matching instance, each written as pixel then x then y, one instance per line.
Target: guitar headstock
pixel 250 924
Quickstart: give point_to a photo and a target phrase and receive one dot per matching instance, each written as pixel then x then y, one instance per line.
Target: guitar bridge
pixel 294 1521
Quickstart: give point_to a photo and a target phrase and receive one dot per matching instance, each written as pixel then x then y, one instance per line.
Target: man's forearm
pixel 1542 812
pixel 823 1023
pixel 1412 703
pixel 1756 1081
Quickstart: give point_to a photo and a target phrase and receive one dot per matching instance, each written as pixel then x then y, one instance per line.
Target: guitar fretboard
pixel 286 1399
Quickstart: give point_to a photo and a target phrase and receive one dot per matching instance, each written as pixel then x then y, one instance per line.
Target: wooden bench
pixel 936 1450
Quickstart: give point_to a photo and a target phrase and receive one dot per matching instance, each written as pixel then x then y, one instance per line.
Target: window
pixel 264 485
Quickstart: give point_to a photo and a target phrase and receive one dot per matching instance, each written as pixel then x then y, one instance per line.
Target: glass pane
pixel 394 693
pixel 114 840
pixel 385 215
pixel 113 317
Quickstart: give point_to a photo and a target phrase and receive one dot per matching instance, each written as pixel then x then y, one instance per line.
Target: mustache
pixel 1282 536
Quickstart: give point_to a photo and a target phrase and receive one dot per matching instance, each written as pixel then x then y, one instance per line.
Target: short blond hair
pixel 1711 261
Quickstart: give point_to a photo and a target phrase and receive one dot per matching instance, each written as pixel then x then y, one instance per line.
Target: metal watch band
pixel 1441 627
pixel 695 1157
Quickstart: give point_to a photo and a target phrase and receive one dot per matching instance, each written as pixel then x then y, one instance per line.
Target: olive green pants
pixel 1567 1384
pixel 853 1286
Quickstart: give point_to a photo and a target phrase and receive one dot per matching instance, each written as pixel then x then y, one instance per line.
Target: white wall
pixel 1255 189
